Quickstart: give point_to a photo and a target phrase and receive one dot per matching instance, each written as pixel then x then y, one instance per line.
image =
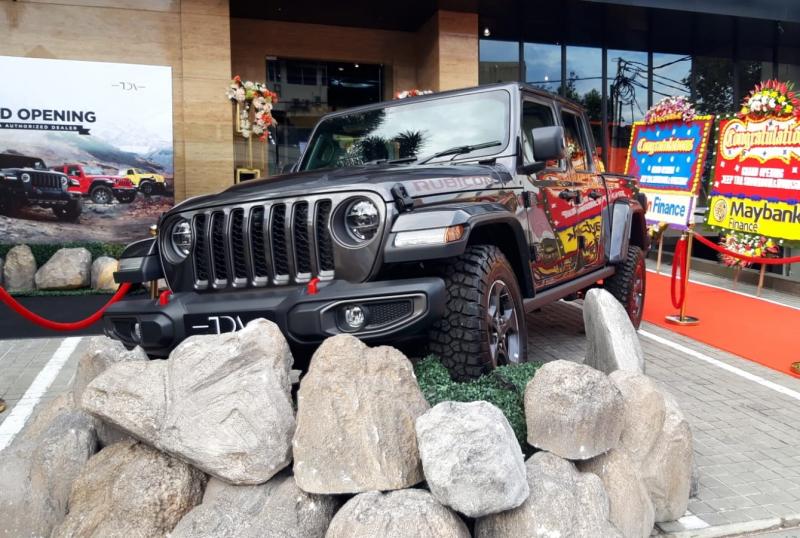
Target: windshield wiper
pixel 392 161
pixel 458 150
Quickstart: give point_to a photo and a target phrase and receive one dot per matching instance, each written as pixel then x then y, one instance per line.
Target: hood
pixel 419 181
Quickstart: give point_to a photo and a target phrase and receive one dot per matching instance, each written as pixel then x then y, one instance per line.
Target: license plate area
pixel 220 323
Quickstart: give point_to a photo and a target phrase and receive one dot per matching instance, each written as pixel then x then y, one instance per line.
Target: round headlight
pixel 182 237
pixel 64 181
pixel 361 220
pixel 25 177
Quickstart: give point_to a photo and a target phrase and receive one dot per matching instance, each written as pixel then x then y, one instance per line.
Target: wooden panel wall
pixel 191 36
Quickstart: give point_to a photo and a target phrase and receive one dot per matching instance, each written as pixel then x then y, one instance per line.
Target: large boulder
pixel 644 413
pixel 408 513
pixel 37 470
pixel 658 439
pixel 221 402
pixel 471 458
pixel 19 269
pixel 611 340
pixel 563 502
pixel 277 509
pixel 356 409
pixel 67 269
pixel 103 269
pixel 130 489
pixel 100 353
pixel 573 410
pixel 630 508
pixel 667 469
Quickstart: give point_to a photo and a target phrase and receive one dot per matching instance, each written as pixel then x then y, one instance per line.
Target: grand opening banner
pixel 668 158
pixel 756 183
pixel 104 125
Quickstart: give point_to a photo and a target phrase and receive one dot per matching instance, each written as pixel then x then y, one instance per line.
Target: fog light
pixel 136 333
pixel 354 317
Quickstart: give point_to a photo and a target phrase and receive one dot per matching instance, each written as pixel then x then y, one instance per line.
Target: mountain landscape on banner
pixel 55 148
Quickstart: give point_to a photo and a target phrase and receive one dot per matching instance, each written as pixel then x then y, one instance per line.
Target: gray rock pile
pixel 364 456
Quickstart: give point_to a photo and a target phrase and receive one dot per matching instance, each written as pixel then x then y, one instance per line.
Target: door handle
pixel 570 195
pixel 594 195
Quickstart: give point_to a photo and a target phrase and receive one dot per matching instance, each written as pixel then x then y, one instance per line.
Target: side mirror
pixel 548 145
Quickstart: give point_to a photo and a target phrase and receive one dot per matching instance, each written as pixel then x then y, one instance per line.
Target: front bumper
pixel 394 309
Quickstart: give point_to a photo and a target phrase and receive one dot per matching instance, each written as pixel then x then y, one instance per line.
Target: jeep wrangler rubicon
pixel 26 181
pixel 445 217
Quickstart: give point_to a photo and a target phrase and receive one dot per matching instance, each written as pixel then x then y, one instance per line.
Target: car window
pixel 577 147
pixel 73 171
pixel 535 115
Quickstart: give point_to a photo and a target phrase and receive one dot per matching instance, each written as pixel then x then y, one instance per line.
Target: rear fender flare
pixel 627 226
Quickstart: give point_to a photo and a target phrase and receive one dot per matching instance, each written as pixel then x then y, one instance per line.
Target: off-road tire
pixel 628 284
pixel 102 195
pixel 70 212
pixel 147 187
pixel 461 337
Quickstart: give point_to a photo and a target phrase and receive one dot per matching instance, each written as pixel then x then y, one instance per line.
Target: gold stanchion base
pixel 796 368
pixel 676 319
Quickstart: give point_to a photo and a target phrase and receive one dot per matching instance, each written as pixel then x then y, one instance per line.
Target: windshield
pixel 93 170
pixel 414 130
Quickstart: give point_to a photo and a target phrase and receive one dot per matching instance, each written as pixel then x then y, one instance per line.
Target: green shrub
pixel 504 387
pixel 44 251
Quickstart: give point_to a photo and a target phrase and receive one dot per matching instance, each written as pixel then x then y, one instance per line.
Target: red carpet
pixel 763 332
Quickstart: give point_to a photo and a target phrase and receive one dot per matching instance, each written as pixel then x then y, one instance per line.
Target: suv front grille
pixel 286 242
pixel 45 180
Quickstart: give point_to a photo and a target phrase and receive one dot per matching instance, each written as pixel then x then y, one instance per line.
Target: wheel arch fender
pixel 627 226
pixel 489 224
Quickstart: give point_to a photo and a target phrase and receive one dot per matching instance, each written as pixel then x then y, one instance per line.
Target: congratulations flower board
pixel 756 183
pixel 667 154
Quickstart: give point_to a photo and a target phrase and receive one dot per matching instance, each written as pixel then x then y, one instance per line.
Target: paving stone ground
pixel 747 435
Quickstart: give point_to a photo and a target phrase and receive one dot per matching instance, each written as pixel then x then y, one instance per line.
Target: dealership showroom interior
pixel 438 268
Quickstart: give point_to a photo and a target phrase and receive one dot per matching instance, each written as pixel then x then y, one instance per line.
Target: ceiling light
pixel 486 32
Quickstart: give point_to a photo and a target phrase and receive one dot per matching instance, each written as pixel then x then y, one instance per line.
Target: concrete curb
pixel 735 529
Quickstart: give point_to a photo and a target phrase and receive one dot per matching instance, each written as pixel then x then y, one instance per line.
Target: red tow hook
pixel 163 298
pixel 311 289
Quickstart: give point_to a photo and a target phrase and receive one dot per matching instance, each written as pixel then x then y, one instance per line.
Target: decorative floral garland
pixel 412 93
pixel 256 97
pixel 676 108
pixel 756 246
pixel 772 98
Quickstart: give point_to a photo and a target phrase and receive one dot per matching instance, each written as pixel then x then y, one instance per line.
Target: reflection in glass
pixel 543 66
pixel 671 75
pixel 713 85
pixel 499 61
pixel 584 84
pixel 416 129
pixel 627 81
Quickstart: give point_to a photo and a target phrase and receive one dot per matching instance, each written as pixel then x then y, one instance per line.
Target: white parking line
pixel 714 362
pixel 12 425
pixel 725 366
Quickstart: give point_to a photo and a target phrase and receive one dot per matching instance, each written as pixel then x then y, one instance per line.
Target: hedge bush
pixel 44 251
pixel 504 387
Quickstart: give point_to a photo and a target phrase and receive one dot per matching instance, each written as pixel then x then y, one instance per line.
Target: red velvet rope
pixel 679 264
pixel 751 259
pixel 56 325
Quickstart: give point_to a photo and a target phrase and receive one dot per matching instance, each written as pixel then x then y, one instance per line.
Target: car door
pixel 549 196
pixel 591 205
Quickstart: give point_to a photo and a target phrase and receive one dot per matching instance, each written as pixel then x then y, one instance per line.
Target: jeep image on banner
pixel 668 158
pixel 756 185
pixel 86 152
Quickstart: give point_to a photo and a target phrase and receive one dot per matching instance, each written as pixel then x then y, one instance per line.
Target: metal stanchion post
pixel 682 318
pixel 154 283
pixel 660 250
pixel 761 279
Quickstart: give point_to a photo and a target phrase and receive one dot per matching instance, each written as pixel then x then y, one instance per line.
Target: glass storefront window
pixel 627 95
pixel 712 85
pixel 585 85
pixel 543 66
pixel 499 61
